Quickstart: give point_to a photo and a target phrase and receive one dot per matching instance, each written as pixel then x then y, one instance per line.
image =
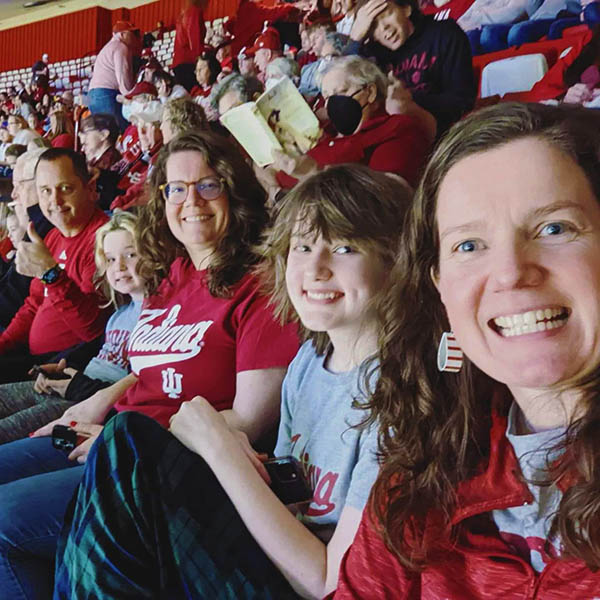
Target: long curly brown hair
pixel 234 254
pixel 434 427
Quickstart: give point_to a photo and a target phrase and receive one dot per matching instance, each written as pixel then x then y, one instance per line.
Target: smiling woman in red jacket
pixel 490 475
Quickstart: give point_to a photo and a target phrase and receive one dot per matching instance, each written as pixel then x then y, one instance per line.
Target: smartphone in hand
pixel 37 370
pixel 288 481
pixel 64 438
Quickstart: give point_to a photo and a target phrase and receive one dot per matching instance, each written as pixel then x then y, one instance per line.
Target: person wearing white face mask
pixel 489 479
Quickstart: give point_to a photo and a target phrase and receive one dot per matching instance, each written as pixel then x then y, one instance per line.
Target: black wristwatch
pixel 51 275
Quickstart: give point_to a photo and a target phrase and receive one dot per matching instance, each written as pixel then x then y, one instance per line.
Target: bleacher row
pixel 75 74
pixel 516 70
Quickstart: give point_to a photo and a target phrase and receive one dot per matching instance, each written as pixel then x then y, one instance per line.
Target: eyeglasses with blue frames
pixel 208 188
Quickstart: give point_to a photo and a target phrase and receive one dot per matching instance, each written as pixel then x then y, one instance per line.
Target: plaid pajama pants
pixel 150 520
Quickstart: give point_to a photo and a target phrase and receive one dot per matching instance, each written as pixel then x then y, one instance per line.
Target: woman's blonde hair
pixel 347 202
pixel 120 221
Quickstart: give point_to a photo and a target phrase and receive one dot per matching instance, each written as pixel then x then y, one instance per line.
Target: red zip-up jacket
pixel 481 566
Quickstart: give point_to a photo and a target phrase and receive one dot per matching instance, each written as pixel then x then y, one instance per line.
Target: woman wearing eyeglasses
pixel 205 329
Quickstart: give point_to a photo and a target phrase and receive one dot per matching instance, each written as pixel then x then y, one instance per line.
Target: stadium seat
pixel 514 74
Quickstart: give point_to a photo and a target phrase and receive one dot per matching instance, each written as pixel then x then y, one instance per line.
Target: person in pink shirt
pixel 113 72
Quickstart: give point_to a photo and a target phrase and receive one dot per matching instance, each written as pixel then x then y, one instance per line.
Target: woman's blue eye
pixel 468 246
pixel 301 248
pixel 553 229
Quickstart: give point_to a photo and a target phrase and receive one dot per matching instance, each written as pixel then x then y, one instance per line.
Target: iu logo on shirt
pixel 171 382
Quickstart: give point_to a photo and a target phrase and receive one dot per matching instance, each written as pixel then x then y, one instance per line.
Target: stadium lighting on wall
pixel 34 3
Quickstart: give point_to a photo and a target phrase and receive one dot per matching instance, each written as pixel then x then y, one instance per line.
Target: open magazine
pixel 280 118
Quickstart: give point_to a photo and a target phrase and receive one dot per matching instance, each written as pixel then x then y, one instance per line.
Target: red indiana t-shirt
pixel 188 343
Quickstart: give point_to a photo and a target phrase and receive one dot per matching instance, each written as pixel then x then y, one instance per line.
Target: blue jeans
pixel 36 485
pixel 104 101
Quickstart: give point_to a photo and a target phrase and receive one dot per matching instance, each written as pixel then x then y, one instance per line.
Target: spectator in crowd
pixel 143 93
pixel 181 115
pixel 549 18
pixel 62 309
pixel 14 287
pixel 6 103
pixel 338 230
pixel 246 65
pixel 252 15
pixel 305 55
pixel 40 92
pixel 113 73
pixel 28 405
pixel 149 134
pixel 197 237
pixel 229 93
pixel 206 72
pixel 355 92
pixel 160 30
pixel 267 47
pixel 35 120
pixel 9 234
pixel 166 87
pixel 5 142
pixel 189 42
pixel 330 44
pixel 61 134
pixel 20 131
pixel 148 69
pixel 431 58
pixel 15 232
pixel 490 12
pixel 348 10
pixel 279 68
pixel 489 483
pixel 13 152
pixel 25 199
pixel 41 67
pixel 98 136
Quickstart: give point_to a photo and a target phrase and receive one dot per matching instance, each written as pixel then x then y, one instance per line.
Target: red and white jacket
pixel 481 565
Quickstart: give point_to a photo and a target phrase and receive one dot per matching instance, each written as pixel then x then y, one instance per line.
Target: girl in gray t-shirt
pixel 220 526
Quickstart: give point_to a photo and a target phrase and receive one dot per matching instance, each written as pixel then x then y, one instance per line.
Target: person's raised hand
pixel 33 257
pixel 365 16
pixel 398 98
pixel 578 94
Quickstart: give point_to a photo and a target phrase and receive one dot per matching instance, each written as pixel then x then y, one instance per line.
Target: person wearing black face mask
pixel 355 93
pixel 345 112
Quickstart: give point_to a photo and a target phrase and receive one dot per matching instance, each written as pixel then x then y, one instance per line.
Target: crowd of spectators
pixel 174 313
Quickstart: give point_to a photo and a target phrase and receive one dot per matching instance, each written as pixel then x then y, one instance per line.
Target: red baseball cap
pixel 143 87
pixel 268 39
pixel 121 26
